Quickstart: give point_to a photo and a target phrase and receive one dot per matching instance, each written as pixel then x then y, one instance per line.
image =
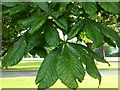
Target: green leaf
pixel 51 35
pixel 56 14
pixel 28 21
pixel 94 55
pixel 74 9
pixel 76 28
pixel 39 51
pixel 61 22
pixel 90 7
pixel 43 6
pixel 69 68
pixel 38 23
pixel 94 33
pixel 112 7
pixel 37 39
pixel 79 50
pixel 14 54
pixel 60 11
pixel 9 4
pixel 92 69
pixel 109 41
pixel 17 9
pixel 47 74
pixel 110 33
pixel 63 6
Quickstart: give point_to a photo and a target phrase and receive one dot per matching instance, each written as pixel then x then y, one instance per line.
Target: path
pixel 7 74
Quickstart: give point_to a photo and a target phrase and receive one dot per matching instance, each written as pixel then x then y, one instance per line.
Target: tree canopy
pixel 33 27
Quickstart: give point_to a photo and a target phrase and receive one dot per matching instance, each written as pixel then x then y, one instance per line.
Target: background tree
pixel 35 26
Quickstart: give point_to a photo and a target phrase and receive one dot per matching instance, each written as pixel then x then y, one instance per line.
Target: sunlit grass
pixel 26 66
pixel 108 81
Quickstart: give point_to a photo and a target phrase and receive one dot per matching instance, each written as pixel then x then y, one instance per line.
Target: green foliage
pixel 76 28
pixel 43 6
pixel 94 33
pixel 36 25
pixel 61 22
pixel 51 35
pixel 70 68
pixel 15 52
pixel 112 7
pixel 49 71
pixel 90 7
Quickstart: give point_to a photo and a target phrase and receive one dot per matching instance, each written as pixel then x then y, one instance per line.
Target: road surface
pixel 7 74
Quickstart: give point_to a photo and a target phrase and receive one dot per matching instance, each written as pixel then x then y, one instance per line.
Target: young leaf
pixel 112 7
pixel 69 68
pixel 76 28
pixel 14 54
pixel 51 35
pixel 38 23
pixel 94 33
pixel 47 74
pixel 90 7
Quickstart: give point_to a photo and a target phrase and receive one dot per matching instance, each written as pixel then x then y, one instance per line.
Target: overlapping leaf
pixel 90 7
pixel 94 33
pixel 74 9
pixel 61 22
pixel 38 23
pixel 14 54
pixel 87 58
pixel 9 4
pixel 110 33
pixel 61 10
pixel 62 7
pixel 112 7
pixel 51 35
pixel 27 22
pixel 47 74
pixel 43 5
pixel 37 39
pixel 109 41
pixel 92 69
pixel 39 51
pixel 76 28
pixel 78 48
pixel 16 9
pixel 69 68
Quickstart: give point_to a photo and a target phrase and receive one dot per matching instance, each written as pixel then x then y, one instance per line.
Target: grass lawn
pixel 108 81
pixel 25 66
